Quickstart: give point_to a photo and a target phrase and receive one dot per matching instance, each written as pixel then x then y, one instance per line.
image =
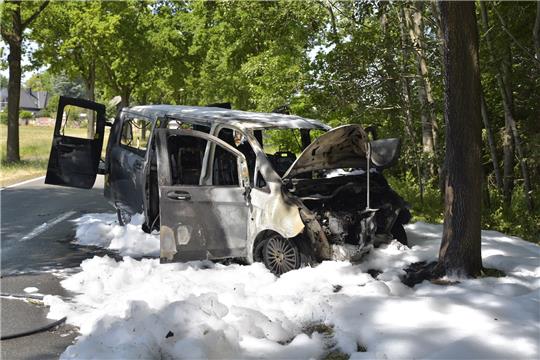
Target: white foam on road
pixel 104 231
pixel 144 309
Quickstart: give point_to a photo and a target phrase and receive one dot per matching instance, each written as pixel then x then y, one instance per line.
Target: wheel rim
pixel 124 217
pixel 280 255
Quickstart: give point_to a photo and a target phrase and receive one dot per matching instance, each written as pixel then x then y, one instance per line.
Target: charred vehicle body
pixel 216 185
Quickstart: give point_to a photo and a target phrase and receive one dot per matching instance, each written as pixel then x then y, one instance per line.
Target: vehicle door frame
pixel 168 235
pixel 74 146
pixel 121 198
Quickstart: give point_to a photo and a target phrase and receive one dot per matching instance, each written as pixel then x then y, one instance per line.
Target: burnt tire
pixel 398 232
pixel 281 255
pixel 124 217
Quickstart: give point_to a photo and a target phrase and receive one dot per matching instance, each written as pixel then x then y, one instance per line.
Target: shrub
pixel 25 115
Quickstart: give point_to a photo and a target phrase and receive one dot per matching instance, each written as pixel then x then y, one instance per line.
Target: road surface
pixel 36 234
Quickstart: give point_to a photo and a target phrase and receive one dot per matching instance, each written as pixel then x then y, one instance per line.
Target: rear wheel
pixel 124 217
pixel 281 255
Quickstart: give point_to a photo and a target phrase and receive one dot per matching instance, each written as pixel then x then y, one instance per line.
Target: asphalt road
pixel 36 234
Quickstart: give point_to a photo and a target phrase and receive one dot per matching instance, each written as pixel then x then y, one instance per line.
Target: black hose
pixel 32 331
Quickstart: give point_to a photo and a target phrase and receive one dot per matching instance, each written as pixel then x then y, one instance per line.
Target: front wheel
pixel 124 217
pixel 281 255
pixel 398 232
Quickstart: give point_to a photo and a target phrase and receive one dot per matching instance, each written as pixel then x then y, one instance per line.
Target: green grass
pixel 35 146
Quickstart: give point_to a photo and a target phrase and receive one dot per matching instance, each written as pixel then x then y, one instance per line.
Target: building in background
pixel 33 101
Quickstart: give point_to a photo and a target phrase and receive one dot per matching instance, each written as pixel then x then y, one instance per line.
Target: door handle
pixel 179 195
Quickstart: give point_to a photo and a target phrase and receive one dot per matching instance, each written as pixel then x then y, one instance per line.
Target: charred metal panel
pixel 214 115
pixel 342 147
pixel 74 161
pixel 199 222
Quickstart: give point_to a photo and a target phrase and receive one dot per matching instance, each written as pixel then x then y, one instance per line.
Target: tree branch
pixel 503 24
pixel 35 14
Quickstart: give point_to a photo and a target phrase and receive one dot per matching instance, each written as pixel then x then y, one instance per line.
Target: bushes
pixel 25 115
pixel 514 220
pixel 3 117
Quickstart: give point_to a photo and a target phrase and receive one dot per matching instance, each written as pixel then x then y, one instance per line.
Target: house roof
pixel 215 115
pixel 28 100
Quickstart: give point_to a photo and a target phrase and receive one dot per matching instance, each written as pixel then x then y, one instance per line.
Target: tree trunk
pixel 406 95
pixel 14 37
pixel 424 88
pixel 536 32
pixel 491 143
pixel 90 83
pixel 14 93
pixel 125 96
pixel 460 252
pixel 511 133
pixel 507 82
pixel 437 16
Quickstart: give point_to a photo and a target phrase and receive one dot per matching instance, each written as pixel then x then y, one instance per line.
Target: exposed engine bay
pixel 339 205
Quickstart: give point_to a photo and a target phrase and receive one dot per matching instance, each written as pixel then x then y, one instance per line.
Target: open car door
pixel 76 147
pixel 203 196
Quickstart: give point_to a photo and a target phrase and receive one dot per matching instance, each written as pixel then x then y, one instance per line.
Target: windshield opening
pixel 283 146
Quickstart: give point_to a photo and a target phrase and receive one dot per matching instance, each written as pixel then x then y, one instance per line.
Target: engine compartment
pixel 339 205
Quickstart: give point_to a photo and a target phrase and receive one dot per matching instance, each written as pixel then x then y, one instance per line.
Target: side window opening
pixel 225 169
pixel 178 124
pixel 135 134
pixel 78 122
pixel 238 141
pixel 186 159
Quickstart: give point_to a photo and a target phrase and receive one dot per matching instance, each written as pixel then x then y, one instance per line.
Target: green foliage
pixel 340 61
pixel 25 115
pixel 515 220
pixel 3 116
pixel 428 208
pixel 3 81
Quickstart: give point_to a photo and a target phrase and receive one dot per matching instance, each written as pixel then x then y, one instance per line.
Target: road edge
pixel 22 182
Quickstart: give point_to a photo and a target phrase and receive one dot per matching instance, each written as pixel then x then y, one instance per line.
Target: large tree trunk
pixel 491 143
pixel 14 40
pixel 424 87
pixel 14 36
pixel 460 251
pixel 14 93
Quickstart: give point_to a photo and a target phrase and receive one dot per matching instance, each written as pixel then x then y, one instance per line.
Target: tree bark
pixel 507 82
pixel 491 143
pixel 511 133
pixel 14 40
pixel 536 32
pixel 14 37
pixel 416 29
pixel 460 252
pixel 406 95
pixel 90 84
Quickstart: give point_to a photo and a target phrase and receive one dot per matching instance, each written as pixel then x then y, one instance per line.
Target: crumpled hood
pixel 342 147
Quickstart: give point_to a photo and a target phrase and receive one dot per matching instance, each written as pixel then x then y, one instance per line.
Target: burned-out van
pixel 219 183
